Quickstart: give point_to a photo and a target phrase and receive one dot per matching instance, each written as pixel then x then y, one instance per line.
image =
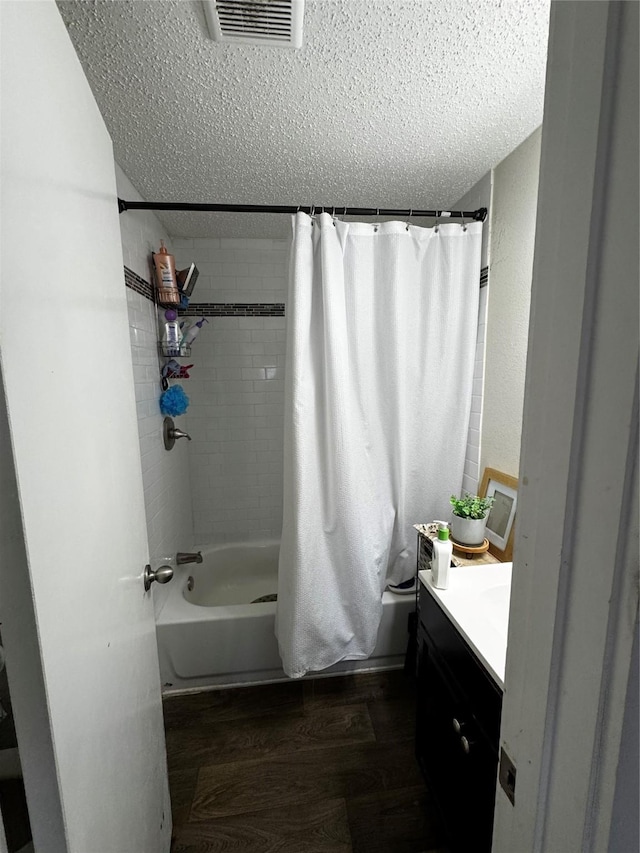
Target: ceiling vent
pixel 270 23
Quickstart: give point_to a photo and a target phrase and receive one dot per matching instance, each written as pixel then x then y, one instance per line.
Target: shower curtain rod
pixel 478 215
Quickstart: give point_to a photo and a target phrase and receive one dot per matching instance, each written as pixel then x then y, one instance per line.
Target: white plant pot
pixel 468 531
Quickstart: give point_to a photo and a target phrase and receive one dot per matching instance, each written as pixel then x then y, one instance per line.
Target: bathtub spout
pixel 182 558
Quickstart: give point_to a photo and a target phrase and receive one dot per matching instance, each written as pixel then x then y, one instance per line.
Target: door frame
pixel 574 600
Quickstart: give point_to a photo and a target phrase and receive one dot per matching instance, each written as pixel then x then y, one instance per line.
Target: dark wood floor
pixel 322 766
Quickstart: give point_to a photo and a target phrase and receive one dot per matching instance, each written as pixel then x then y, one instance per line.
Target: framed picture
pixel 500 521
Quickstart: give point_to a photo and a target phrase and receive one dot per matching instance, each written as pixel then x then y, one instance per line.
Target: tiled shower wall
pixel 480 195
pixel 472 474
pixel 236 392
pixel 165 476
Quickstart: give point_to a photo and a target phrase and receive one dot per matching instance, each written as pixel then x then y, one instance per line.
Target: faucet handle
pixel 170 433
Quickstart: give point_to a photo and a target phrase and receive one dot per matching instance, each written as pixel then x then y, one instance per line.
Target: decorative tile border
pixel 234 309
pixel 208 309
pixel 230 309
pixel 133 281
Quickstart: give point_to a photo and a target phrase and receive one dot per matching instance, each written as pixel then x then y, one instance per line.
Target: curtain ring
pixel 410 215
pixel 437 228
pixel 464 224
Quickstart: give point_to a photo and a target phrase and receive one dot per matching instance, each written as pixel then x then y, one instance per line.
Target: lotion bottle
pixel 193 331
pixel 442 553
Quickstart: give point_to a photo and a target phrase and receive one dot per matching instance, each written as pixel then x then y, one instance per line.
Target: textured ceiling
pixel 389 103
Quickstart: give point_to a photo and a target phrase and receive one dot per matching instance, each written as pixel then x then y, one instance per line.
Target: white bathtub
pixel 214 636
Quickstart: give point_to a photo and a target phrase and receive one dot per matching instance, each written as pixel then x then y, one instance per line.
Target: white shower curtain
pixel 382 325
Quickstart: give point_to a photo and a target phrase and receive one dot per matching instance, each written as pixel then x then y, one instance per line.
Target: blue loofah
pixel 174 401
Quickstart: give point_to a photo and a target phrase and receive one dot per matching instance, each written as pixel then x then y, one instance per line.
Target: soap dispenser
pixel 442 553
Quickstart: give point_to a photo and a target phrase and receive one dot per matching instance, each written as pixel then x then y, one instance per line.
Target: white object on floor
pixel 409 590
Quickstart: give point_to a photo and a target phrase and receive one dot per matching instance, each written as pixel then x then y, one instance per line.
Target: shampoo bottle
pixel 166 282
pixel 442 552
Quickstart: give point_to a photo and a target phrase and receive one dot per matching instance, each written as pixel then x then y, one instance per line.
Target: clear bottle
pixel 442 553
pixel 171 337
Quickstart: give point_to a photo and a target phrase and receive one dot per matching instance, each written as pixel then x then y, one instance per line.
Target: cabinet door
pixel 457 761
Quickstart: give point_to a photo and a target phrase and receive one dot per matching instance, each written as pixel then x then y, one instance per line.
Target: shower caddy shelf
pixel 169 351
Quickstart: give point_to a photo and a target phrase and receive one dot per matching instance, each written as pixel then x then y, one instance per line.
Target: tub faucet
pixel 182 558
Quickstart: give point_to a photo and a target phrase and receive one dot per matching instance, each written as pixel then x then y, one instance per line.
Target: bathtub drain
pixel 263 598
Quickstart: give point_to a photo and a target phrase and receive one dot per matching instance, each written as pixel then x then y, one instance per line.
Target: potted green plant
pixel 469 518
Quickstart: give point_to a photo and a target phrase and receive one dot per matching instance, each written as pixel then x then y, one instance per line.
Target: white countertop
pixel 477 602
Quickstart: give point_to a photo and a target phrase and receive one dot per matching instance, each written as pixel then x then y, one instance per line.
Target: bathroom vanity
pixel 462 643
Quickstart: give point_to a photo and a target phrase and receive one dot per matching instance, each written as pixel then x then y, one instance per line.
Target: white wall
pixel 478 196
pixel 141 230
pixel 165 475
pixel 236 413
pixel 512 234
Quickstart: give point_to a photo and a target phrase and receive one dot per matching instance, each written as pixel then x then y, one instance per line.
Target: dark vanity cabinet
pixel 458 728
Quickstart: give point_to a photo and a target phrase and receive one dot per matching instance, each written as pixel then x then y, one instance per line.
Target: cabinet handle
pixel 466 746
pixel 457 726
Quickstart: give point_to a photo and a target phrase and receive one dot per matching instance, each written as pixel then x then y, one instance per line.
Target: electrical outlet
pixel 507 776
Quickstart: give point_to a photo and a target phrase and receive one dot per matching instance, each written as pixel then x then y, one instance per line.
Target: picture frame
pixel 501 519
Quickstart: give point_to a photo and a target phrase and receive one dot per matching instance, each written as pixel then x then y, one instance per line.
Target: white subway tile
pixel 253 373
pixel 474 438
pixel 264 335
pixel 469 485
pixel 232 373
pixel 224 324
pixel 253 323
pixel 471 468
